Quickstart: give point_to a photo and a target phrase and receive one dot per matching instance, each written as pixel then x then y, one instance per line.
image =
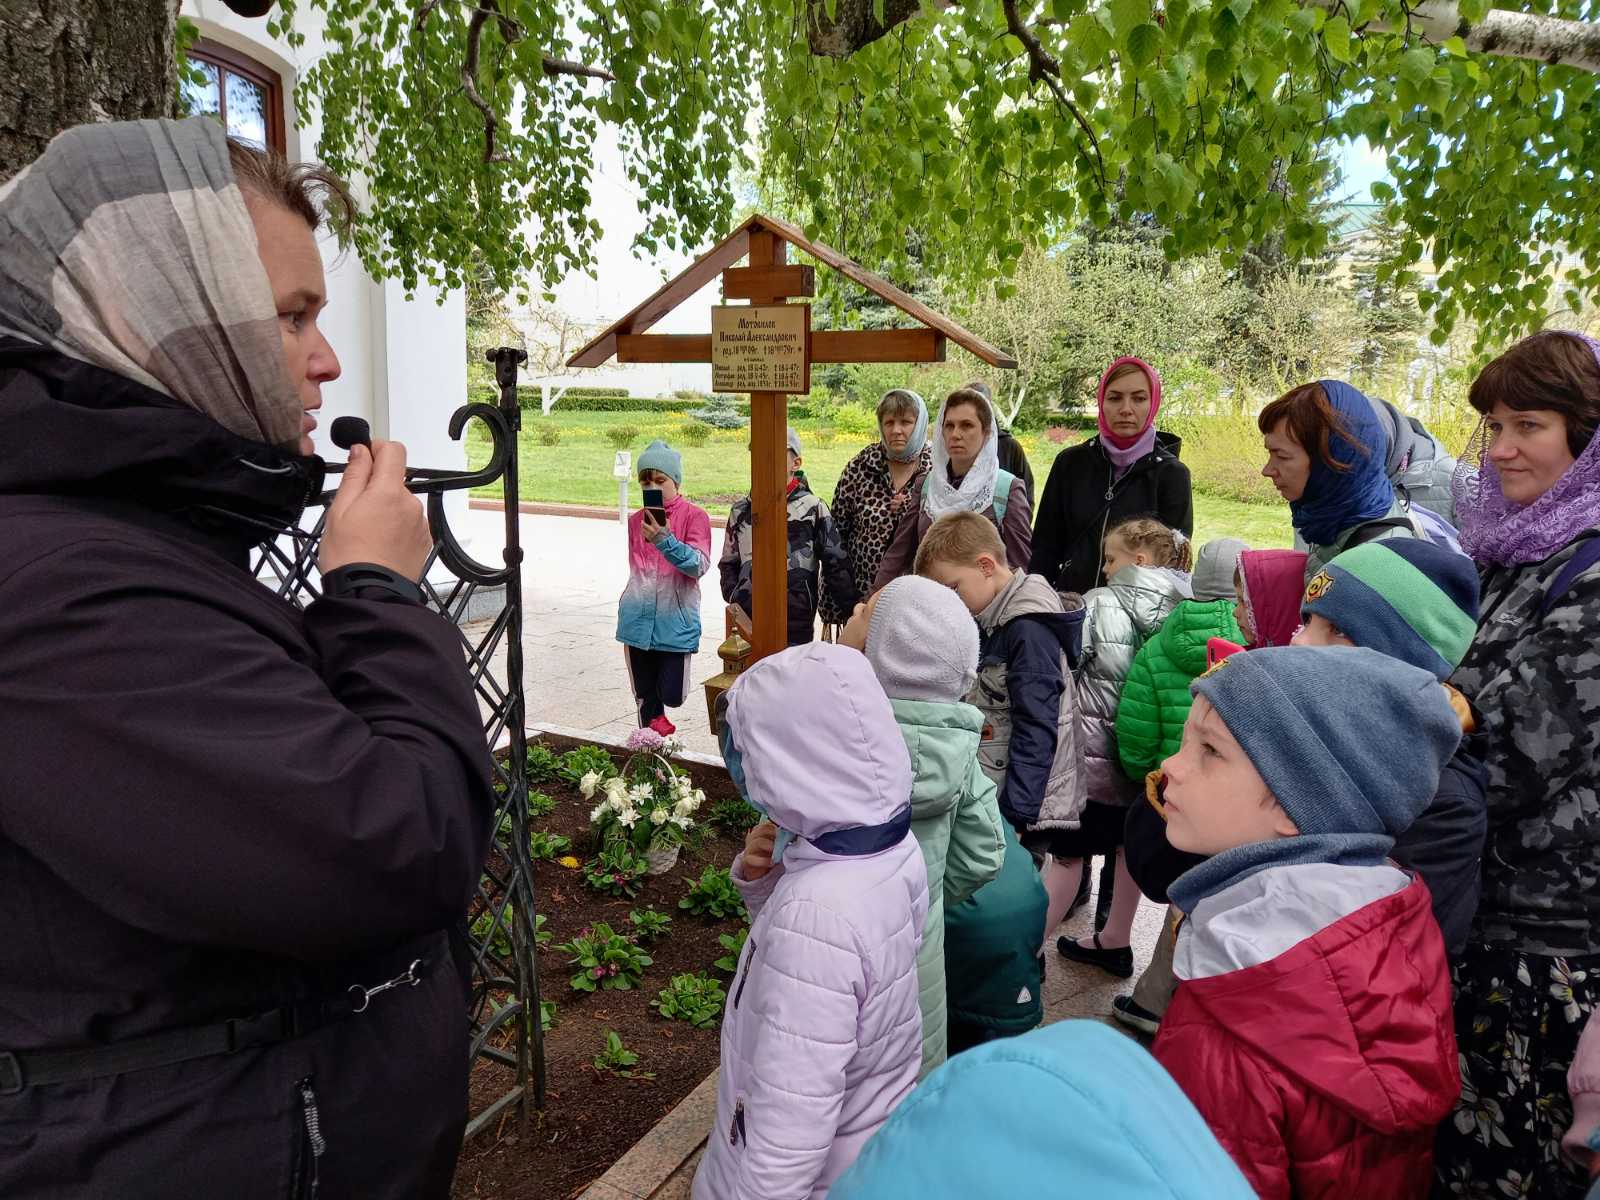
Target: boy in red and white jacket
pixel 1312 1025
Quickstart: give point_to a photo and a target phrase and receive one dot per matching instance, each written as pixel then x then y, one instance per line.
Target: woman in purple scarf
pixel 1528 503
pixel 1130 469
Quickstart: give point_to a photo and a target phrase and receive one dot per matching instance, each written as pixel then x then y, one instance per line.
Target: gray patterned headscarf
pixel 128 245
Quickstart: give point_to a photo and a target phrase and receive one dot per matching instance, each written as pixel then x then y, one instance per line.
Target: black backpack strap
pixel 1372 530
pixel 1586 556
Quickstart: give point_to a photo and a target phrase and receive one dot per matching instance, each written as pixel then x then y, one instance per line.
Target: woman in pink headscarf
pixel 1129 470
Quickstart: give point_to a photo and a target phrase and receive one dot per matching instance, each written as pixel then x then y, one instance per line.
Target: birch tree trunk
pixel 72 61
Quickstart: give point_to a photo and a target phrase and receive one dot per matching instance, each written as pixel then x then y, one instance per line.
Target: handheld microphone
pixel 350 432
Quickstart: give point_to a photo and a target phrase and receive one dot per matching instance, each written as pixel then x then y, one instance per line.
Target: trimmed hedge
pixel 614 400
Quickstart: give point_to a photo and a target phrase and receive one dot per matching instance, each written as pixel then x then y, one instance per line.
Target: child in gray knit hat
pixel 923 646
pixel 1312 1026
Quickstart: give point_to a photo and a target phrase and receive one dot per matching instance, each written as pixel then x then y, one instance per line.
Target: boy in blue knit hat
pixel 1418 602
pixel 1312 1026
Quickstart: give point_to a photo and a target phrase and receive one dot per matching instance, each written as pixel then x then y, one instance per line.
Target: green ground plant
pixel 616 871
pixel 697 999
pixel 619 1060
pixel 714 894
pixel 605 960
pixel 650 925
pixel 732 945
pixel 547 847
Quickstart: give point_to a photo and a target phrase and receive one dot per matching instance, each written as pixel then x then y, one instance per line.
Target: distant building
pixel 404 361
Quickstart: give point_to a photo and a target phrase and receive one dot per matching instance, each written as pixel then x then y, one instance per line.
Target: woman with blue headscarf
pixel 878 486
pixel 1326 455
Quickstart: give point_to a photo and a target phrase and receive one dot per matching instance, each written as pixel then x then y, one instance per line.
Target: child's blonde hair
pixel 959 537
pixel 1164 547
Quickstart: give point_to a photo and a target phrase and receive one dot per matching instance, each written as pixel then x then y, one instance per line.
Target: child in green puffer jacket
pixel 1155 704
pixel 1155 699
pixel 923 647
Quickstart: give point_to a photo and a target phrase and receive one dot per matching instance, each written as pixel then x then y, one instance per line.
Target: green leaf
pixel 1143 42
pixel 1416 65
pixel 1336 37
pixel 1126 15
pixel 1219 65
pixel 1214 154
pixel 1089 38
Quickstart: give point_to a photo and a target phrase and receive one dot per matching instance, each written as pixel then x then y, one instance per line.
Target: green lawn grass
pixel 578 470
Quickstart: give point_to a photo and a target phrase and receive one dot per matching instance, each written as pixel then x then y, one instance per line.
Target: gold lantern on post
pixel 735 655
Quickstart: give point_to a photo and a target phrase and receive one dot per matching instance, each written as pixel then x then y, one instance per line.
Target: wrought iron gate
pixel 505 984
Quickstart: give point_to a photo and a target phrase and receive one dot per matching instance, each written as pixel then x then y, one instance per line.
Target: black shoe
pixel 1134 1017
pixel 1102 902
pixel 1082 897
pixel 1113 962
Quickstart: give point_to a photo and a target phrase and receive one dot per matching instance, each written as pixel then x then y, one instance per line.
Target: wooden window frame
pixel 236 62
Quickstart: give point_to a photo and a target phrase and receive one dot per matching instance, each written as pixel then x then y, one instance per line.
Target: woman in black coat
pixel 1130 469
pixel 235 836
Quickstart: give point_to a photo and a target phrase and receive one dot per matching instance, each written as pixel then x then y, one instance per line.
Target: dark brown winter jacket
pixel 214 805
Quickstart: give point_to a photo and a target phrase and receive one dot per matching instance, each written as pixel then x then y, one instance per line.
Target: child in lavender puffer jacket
pixel 822 1036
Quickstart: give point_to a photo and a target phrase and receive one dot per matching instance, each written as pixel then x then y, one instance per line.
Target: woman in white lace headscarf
pixel 966 477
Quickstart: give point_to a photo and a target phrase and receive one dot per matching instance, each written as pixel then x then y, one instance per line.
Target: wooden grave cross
pixel 766 349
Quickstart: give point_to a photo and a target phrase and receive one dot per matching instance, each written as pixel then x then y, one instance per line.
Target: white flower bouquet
pixel 651 804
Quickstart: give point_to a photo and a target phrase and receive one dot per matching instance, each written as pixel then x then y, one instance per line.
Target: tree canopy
pixel 967 132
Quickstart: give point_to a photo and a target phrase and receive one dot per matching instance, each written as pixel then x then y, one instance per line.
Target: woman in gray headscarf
pixel 233 834
pixel 877 487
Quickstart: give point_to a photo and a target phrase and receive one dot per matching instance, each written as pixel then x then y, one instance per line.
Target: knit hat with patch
pixel 1320 724
pixel 658 456
pixel 1403 597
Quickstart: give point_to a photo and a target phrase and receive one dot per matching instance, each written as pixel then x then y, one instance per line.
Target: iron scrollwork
pixel 505 985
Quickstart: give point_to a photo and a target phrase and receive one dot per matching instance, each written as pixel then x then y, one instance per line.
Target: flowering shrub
pixel 616 870
pixel 606 960
pixel 651 804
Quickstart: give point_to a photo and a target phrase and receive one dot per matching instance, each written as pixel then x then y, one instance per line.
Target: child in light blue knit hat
pixel 1313 1022
pixel 658 616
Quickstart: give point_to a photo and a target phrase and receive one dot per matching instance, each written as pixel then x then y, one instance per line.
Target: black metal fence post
pixel 503 918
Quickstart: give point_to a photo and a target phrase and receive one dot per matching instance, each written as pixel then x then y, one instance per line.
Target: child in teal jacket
pixel 923 646
pixel 1070 1102
pixel 1155 700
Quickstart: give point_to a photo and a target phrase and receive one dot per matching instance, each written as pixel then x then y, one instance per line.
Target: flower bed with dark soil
pixel 591 1116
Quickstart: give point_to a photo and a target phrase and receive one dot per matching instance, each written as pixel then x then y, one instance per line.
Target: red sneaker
pixel 663 726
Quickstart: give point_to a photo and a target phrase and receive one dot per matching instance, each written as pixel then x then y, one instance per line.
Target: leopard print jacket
pixel 867 507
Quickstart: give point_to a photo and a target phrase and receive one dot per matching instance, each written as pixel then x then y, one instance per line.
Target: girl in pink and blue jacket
pixel 822 1036
pixel 658 617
